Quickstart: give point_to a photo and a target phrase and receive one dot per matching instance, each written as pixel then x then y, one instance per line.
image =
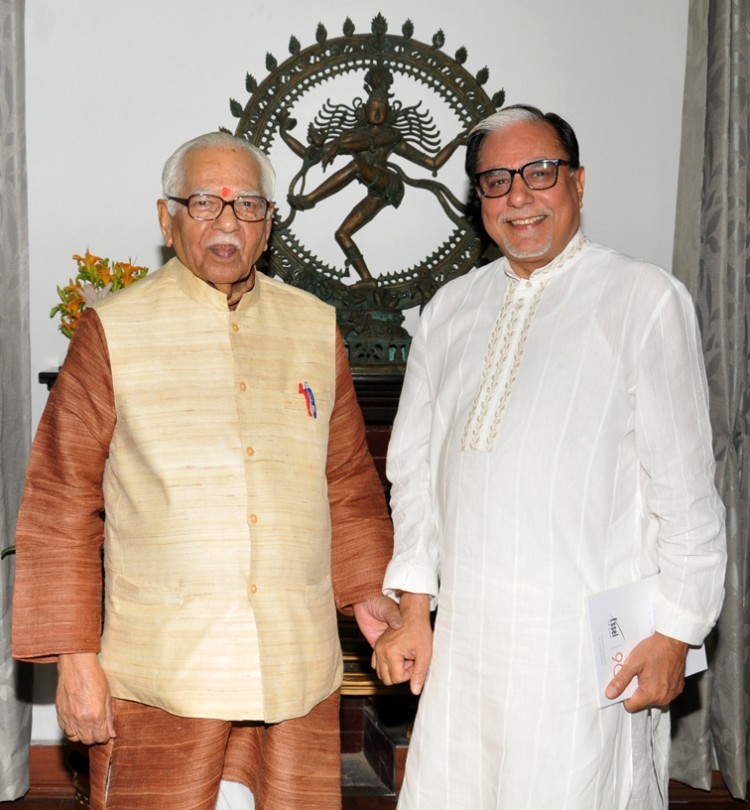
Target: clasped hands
pixel 403 645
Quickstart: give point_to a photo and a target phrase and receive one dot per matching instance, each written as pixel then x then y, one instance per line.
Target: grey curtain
pixel 15 703
pixel 712 248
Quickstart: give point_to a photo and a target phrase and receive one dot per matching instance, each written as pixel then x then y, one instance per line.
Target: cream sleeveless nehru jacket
pixel 217 541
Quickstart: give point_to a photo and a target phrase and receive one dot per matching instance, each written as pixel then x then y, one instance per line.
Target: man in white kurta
pixel 552 441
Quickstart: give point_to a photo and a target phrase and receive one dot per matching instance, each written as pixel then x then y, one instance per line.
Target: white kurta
pixel 552 441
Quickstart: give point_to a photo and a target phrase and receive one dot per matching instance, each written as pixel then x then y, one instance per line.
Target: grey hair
pixel 173 175
pixel 511 115
pixel 508 115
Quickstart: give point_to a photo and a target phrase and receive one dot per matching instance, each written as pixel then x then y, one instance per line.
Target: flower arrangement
pixel 96 279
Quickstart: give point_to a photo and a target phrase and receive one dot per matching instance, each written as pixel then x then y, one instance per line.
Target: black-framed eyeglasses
pixel 538 176
pixel 207 207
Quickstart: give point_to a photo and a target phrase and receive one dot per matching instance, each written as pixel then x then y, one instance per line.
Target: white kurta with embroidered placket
pixel 552 441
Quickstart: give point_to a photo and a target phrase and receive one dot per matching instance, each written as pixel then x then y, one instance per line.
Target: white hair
pixel 509 115
pixel 173 175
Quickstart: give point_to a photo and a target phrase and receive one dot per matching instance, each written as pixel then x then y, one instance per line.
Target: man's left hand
pixel 659 663
pixel 374 616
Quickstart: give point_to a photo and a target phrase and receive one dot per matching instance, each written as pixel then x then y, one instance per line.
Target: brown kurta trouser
pixel 162 762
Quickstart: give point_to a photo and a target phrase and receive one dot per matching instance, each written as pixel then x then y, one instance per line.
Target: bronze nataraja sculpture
pixel 371 135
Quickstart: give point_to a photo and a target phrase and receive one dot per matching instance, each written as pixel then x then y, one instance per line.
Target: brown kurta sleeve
pixel 57 604
pixel 362 539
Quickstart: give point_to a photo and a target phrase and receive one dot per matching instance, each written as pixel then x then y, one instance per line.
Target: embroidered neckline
pixel 504 352
pixel 502 360
pixel 560 263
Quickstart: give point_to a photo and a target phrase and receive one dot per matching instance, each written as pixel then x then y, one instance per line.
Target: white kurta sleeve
pixel 415 564
pixel 673 442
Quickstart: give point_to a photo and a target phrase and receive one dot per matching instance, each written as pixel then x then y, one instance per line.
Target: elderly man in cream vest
pixel 204 429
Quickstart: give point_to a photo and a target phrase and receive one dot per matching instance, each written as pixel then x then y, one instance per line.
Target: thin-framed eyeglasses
pixel 207 207
pixel 538 176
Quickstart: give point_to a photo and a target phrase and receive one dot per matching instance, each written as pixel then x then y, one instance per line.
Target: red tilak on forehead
pixel 225 192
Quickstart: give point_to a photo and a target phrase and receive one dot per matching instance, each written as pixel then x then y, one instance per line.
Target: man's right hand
pixel 404 654
pixel 83 701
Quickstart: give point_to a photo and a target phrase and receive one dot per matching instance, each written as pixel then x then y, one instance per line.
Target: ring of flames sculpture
pixel 364 138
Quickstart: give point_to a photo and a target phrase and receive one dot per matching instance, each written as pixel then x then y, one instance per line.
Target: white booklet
pixel 619 619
